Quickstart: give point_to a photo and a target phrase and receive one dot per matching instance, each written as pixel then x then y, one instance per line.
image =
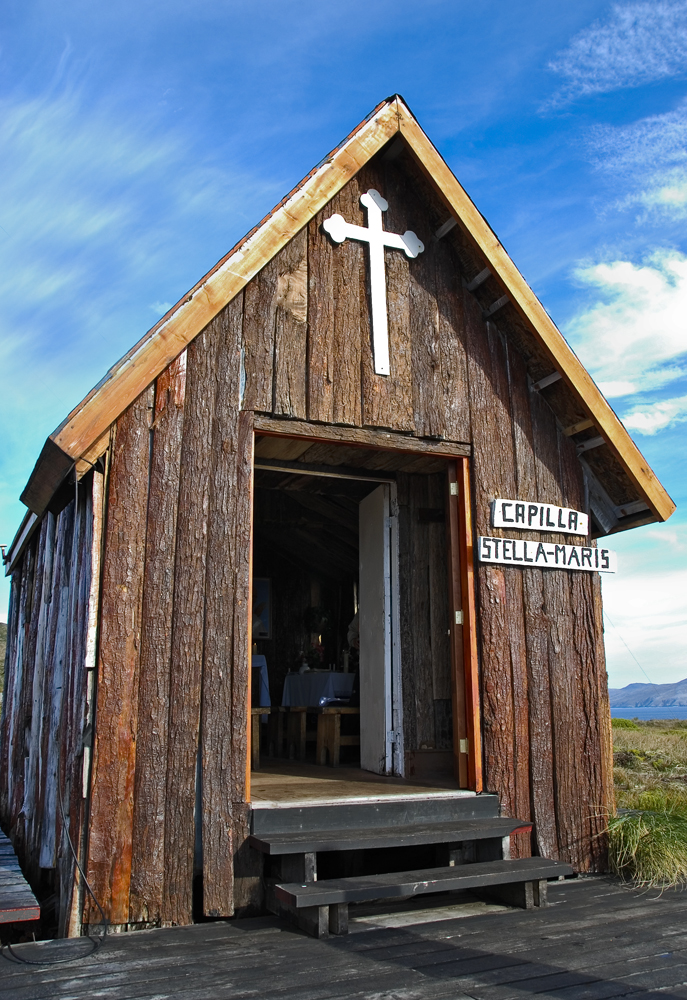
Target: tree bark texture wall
pixel 171 732
pixel 45 701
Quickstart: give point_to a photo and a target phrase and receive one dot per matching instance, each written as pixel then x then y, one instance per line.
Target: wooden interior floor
pixel 288 783
pixel 597 940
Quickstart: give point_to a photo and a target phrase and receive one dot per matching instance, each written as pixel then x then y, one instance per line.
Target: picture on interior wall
pixel 262 608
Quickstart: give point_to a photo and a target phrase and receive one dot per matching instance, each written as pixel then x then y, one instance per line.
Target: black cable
pixel 96 941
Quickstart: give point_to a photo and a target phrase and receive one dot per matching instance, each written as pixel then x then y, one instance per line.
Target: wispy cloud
pixel 649 157
pixel 635 338
pixel 656 417
pixel 635 44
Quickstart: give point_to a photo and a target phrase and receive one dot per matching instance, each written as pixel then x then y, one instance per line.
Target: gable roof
pixel 84 435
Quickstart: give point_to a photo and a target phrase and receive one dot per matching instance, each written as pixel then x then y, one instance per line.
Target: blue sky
pixel 140 141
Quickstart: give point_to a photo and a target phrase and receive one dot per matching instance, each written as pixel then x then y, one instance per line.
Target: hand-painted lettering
pixel 519 513
pixel 504 504
pixel 561 522
pixel 545 554
pixel 572 520
pixel 532 511
pixel 549 522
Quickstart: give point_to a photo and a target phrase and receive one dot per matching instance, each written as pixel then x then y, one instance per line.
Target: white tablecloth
pixel 316 687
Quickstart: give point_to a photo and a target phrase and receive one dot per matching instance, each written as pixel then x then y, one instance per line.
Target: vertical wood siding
pixel 44 705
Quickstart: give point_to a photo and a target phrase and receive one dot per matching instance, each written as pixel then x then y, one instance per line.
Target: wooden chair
pixel 255 713
pixel 329 738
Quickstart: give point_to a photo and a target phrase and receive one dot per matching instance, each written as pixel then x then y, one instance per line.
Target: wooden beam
pixel 594 442
pixel 52 468
pixel 479 280
pixel 26 529
pixel 547 380
pixel 581 425
pixel 360 436
pixel 495 306
pixel 469 609
pixel 533 313
pixel 446 228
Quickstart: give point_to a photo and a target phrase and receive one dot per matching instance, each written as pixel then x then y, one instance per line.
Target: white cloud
pixel 635 338
pixel 636 44
pixel 646 606
pixel 612 390
pixel 656 417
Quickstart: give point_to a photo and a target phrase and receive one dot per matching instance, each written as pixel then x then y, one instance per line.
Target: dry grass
pixel 648 836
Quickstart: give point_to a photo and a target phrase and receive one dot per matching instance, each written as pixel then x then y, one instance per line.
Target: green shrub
pixel 624 724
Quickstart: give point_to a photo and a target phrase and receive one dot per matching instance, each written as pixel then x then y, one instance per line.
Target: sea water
pixel 671 712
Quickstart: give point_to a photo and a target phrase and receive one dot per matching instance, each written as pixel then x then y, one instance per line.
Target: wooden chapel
pixel 396 353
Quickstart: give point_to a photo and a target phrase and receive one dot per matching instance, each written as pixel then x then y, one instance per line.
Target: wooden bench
pixel 322 907
pixel 17 901
pixel 329 738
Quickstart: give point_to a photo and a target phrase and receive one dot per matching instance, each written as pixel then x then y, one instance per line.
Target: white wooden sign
pixel 530 516
pixel 378 238
pixel 545 555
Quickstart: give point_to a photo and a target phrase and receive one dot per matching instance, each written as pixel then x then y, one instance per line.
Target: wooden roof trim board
pixel 530 308
pixel 197 308
pixel 84 432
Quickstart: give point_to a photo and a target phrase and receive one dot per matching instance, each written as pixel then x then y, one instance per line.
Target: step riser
pixel 372 815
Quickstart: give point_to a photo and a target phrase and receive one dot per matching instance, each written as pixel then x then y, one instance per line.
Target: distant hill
pixel 649 695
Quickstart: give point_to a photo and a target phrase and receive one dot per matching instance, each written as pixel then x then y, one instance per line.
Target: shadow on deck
pixel 596 940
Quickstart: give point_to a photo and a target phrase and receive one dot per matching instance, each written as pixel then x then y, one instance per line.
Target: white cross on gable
pixel 375 235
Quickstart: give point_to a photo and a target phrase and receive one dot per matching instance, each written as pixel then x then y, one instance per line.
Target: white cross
pixel 339 230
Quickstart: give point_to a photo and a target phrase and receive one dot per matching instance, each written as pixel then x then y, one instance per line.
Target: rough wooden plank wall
pixel 148 841
pixel 114 752
pixel 41 728
pixel 219 709
pixel 188 627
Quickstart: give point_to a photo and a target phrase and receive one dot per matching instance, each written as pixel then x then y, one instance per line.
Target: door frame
pixel 464 647
pixel 467 736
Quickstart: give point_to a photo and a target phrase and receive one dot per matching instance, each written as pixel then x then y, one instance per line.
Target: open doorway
pixel 352 667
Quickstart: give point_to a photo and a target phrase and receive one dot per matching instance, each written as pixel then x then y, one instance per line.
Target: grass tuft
pixel 648 836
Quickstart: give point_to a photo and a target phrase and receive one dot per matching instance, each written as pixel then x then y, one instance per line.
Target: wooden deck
pixel 17 902
pixel 597 940
pixel 293 783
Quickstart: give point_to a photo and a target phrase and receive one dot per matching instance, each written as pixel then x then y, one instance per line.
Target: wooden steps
pixel 322 907
pixel 17 901
pixel 370 837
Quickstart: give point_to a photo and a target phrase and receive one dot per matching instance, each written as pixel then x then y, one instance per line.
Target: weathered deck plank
pixel 598 940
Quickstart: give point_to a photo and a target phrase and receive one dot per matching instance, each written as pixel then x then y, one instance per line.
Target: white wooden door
pixel 377 555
